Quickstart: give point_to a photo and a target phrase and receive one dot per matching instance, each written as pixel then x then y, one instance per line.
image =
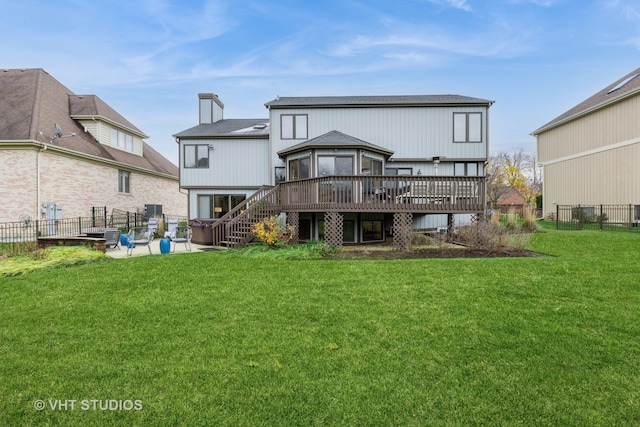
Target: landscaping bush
pixel 482 235
pixel 272 233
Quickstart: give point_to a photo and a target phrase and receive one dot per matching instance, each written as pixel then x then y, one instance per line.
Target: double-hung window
pixel 293 126
pixel 467 127
pixel 123 181
pixel 196 156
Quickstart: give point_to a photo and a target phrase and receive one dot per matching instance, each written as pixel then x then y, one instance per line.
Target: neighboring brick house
pixel 76 152
pixel 511 199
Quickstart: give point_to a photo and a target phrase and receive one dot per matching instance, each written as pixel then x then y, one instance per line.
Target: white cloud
pixel 629 10
pixel 457 4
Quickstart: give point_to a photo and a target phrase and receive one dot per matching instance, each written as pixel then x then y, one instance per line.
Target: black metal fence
pixel 30 230
pixel 598 217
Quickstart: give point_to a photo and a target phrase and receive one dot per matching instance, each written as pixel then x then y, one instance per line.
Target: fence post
pixel 557 217
pixel 79 225
pixel 580 218
pixel 630 217
pixel 600 218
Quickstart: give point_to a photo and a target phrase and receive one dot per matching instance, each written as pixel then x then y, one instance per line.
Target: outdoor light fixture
pixel 436 162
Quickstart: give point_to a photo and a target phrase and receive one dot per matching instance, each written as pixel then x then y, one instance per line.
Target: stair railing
pixel 239 231
pixel 218 227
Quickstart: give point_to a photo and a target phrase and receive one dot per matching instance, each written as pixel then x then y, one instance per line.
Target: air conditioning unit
pixel 152 210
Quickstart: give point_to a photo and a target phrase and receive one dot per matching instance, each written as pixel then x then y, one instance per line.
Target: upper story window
pixel 196 156
pixel 293 126
pixel 123 181
pixel 467 127
pixel 122 140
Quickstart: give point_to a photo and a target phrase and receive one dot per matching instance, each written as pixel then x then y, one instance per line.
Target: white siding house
pixel 408 147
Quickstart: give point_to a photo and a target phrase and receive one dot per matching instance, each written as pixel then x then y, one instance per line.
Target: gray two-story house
pixel 351 168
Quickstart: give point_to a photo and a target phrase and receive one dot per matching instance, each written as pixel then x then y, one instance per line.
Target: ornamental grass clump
pixel 272 233
pixel 529 221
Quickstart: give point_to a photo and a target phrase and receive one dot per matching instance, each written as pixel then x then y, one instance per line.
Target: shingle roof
pixel 91 105
pixel 32 101
pixel 375 101
pixel 629 85
pixel 228 128
pixel 334 139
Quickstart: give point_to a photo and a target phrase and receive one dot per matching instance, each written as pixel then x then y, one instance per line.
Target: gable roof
pixel 375 101
pixel 334 139
pixel 240 128
pixel 622 88
pixel 512 197
pixel 32 101
pixel 90 106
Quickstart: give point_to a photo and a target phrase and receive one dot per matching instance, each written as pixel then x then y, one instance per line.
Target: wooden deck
pixel 380 194
pixel 416 194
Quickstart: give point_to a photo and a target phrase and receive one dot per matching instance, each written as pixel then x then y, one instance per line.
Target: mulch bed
pixel 432 253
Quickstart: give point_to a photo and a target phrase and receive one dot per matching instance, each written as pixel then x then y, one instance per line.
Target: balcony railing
pixel 417 194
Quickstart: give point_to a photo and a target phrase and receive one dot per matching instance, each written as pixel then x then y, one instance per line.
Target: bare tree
pixel 516 169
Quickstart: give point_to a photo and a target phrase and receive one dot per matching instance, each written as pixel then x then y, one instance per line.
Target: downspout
pixel 43 147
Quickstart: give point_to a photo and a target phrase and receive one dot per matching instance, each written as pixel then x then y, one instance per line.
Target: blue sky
pixel 149 59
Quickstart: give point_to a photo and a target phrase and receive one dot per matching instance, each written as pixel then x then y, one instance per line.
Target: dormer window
pixel 121 140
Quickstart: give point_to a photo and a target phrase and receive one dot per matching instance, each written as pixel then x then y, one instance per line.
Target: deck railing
pixel 418 194
pixel 240 228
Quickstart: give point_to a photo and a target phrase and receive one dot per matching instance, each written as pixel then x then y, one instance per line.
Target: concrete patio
pixel 155 250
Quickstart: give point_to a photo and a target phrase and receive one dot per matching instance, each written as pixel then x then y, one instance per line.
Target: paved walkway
pixel 155 250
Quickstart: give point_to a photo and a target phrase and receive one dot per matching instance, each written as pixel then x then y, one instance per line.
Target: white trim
pixel 594 151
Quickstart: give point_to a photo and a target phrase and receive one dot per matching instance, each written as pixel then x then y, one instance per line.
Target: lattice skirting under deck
pixel 333 229
pixel 293 220
pixel 402 230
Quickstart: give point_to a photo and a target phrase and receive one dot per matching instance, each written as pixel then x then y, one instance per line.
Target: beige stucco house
pixel 76 152
pixel 590 154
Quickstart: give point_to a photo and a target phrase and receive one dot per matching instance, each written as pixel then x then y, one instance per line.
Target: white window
pixel 123 182
pixel 293 126
pixel 122 140
pixel 467 127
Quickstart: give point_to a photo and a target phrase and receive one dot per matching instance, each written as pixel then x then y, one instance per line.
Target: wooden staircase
pixel 235 229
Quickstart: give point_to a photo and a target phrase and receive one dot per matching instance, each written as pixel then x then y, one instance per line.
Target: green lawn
pixel 220 339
